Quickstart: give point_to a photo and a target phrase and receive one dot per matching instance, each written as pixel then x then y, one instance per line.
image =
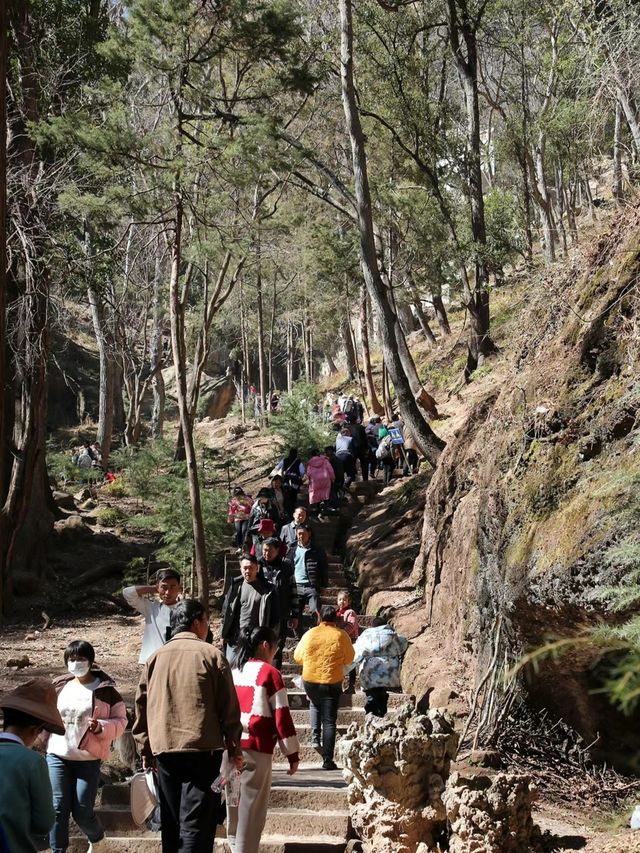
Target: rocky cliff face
pixel 524 510
pixel 535 492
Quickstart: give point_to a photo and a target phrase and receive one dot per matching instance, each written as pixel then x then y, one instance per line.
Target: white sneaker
pixel 98 846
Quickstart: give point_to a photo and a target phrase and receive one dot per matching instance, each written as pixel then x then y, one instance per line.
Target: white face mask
pixel 78 667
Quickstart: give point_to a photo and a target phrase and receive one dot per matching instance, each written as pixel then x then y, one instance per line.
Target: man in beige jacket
pixel 187 712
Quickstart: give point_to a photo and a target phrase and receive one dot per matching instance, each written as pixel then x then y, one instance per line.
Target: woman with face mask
pixel 94 715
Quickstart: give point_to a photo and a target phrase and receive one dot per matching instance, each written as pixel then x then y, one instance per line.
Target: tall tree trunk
pixel 618 193
pixel 522 157
pixel 4 377
pixel 272 325
pixel 561 207
pixel 347 340
pixel 178 345
pixel 156 355
pixel 441 311
pixel 260 311
pixel 106 354
pixel 107 363
pixel 630 114
pixel 26 509
pixel 290 356
pixel 386 393
pixel 463 27
pixel 374 403
pixel 543 200
pixel 427 440
pixel 422 317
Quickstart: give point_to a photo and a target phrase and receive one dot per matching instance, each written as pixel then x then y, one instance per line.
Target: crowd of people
pixel 200 709
pixel 194 703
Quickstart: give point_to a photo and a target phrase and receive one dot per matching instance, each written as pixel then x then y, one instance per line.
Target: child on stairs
pixel 348 621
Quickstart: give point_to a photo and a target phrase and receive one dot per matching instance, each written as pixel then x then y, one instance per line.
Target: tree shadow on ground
pixel 553 843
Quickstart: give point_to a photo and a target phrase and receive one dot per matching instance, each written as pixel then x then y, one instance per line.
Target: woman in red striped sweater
pixel 265 716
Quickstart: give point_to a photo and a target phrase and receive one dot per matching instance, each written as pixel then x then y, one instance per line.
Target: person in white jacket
pixel 156 611
pixel 378 654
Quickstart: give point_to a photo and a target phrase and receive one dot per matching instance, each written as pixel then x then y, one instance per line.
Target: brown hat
pixel 37 698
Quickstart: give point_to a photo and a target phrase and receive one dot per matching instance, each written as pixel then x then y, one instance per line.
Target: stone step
pixel 281 797
pixel 346 716
pixel 307 755
pixel 289 821
pixel 150 843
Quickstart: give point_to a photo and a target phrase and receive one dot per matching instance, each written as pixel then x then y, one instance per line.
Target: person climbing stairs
pixel 309 811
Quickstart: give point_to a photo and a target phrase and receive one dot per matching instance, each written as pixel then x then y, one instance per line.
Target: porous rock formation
pixel 396 768
pixel 490 815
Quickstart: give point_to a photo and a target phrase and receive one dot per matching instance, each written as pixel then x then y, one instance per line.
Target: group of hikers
pixel 193 705
pixel 199 709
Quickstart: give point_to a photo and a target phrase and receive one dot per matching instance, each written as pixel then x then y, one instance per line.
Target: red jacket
pixel 264 710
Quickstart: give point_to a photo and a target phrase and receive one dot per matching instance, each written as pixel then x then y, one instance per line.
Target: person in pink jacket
pixel 94 715
pixel 320 474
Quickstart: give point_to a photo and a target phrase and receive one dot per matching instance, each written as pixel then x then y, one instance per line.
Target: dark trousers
pixel 410 461
pixel 364 465
pixel 376 701
pixel 282 639
pixel 188 806
pixel 349 465
pixel 308 595
pixel 324 700
pixel 389 464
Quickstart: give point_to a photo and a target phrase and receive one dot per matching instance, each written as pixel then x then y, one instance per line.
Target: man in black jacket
pixel 251 602
pixel 309 565
pixel 280 575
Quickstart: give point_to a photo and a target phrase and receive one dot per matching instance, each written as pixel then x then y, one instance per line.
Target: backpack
pixel 396 436
pixel 384 448
pixel 348 407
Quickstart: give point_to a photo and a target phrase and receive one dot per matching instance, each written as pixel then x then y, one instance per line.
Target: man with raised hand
pixel 156 611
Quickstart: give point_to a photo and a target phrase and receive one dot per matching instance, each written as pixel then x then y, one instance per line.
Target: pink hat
pixel 267 526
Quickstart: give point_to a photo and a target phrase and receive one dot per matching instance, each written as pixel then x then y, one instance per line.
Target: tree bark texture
pixel 26 509
pixel 107 365
pixel 4 377
pixel 462 28
pixel 178 344
pixel 374 403
pixel 618 192
pixel 156 355
pixel 430 444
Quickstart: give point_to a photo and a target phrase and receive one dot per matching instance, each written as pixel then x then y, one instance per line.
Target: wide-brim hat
pixel 144 796
pixel 38 698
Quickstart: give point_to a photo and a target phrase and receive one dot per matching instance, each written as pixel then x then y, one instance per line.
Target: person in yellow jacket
pixel 324 652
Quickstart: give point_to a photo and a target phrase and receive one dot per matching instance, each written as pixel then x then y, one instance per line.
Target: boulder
pixel 72 528
pixel 491 814
pixel 64 500
pixel 396 768
pixel 217 393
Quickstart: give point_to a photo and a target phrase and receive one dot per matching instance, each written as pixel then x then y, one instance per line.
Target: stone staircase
pixel 308 811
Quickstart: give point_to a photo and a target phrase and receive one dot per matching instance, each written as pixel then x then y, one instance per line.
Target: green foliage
pixel 115 489
pixel 504 228
pixel 60 467
pixel 135 573
pixel 299 424
pixel 109 516
pixel 152 474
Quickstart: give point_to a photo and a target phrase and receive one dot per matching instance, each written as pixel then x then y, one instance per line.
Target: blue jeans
pixel 324 700
pixel 75 786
